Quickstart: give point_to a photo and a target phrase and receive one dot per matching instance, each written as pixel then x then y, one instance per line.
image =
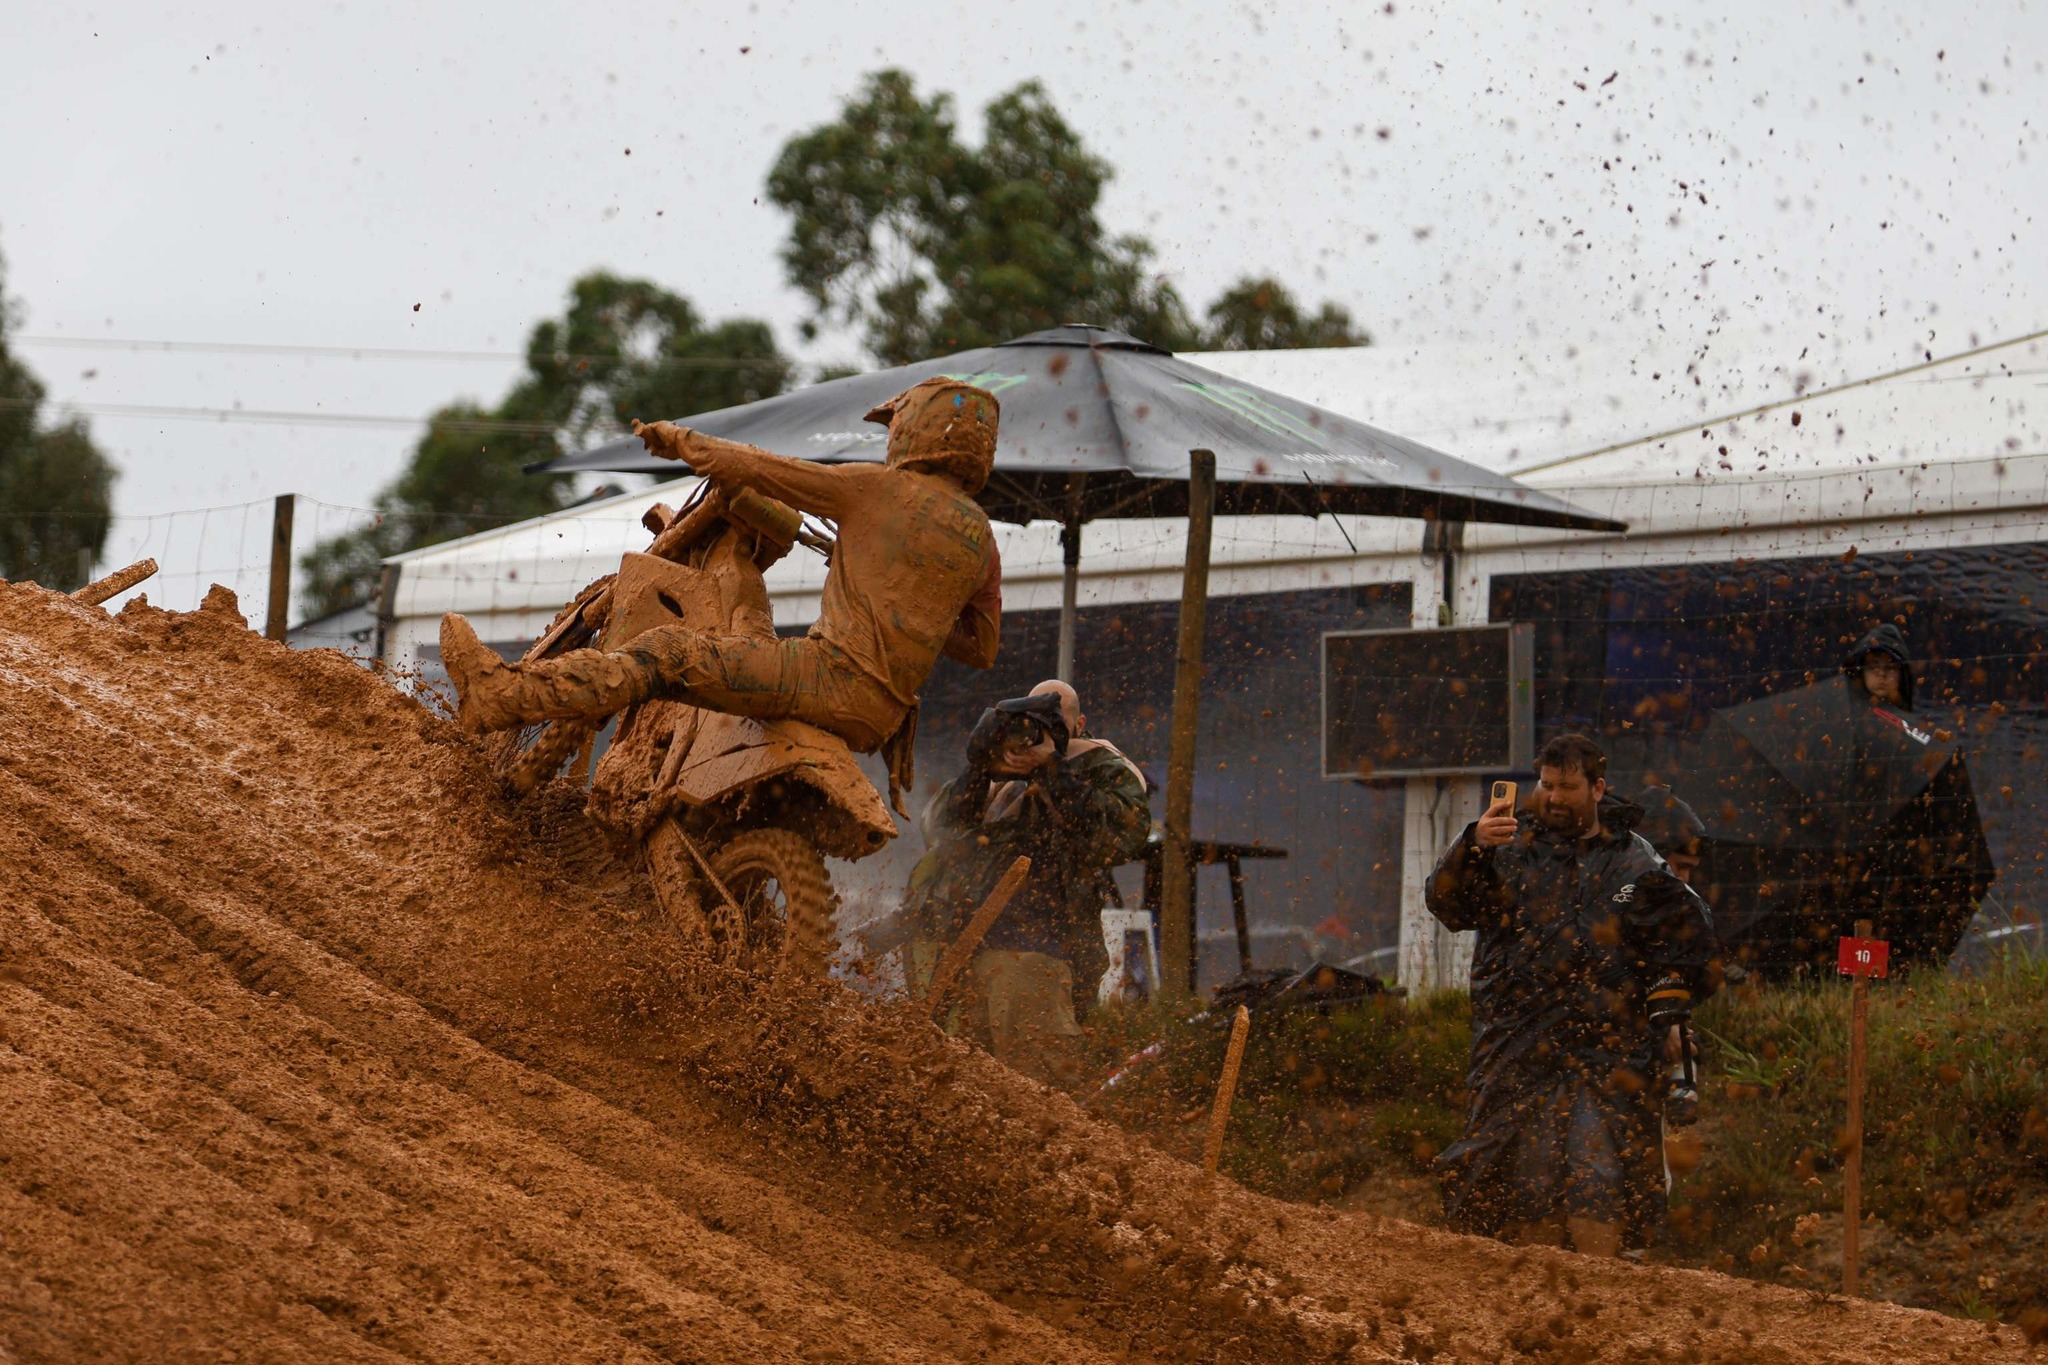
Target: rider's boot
pixel 494 695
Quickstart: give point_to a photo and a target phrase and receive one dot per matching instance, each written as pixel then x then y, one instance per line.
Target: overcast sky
pixel 1861 182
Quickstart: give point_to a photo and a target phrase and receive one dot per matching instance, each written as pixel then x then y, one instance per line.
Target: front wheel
pixel 782 911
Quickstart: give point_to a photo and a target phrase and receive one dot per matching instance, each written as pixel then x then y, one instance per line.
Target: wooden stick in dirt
pixel 114 584
pixel 1226 1091
pixel 277 616
pixel 962 948
pixel 1852 1169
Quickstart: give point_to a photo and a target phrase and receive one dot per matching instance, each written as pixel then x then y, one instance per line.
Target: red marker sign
pixel 1861 958
pixel 1864 957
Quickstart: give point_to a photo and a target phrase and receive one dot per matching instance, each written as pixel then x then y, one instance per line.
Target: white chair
pixel 1118 925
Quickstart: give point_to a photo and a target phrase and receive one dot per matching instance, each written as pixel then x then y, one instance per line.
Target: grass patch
pixel 1955 1108
pixel 1323 1100
pixel 1956 1119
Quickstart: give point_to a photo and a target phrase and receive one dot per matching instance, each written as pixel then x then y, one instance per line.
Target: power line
pixel 274 417
pixel 142 344
pixel 1776 404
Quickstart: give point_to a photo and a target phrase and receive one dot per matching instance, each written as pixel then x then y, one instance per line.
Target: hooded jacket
pixel 1667 822
pixel 1891 640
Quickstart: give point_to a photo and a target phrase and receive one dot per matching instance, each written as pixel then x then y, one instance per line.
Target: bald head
pixel 1070 703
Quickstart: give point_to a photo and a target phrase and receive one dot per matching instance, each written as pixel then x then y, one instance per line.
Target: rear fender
pixel 731 757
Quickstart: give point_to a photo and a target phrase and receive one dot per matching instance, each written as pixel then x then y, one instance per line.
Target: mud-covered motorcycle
pixel 736 816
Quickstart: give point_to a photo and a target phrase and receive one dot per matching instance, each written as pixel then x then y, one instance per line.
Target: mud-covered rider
pixel 915 575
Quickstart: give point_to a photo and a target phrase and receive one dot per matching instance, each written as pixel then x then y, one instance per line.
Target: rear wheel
pixel 782 911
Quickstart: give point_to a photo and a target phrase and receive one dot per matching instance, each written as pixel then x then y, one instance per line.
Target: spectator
pixel 1877 665
pixel 1037 784
pixel 1579 922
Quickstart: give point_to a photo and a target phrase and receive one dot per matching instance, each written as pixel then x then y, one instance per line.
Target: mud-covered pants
pixel 802 678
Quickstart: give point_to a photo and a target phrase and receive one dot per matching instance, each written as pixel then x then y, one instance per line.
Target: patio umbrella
pixel 1099 424
pixel 1822 808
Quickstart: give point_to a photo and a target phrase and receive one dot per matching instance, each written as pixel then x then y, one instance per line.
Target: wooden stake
pixel 961 950
pixel 1226 1091
pixel 1176 873
pixel 1852 1170
pixel 277 614
pixel 387 607
pixel 114 584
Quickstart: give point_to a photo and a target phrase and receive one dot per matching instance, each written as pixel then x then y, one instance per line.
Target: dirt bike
pixel 735 816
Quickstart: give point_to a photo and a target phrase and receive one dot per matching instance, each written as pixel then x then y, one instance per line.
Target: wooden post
pixel 1852 1169
pixel 1176 890
pixel 1226 1091
pixel 961 949
pixel 1070 574
pixel 1238 917
pixel 387 608
pixel 277 613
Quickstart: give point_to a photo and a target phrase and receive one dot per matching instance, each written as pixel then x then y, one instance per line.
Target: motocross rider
pixel 915 575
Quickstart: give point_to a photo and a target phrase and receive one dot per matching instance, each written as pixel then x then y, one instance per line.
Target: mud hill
pixel 313 1050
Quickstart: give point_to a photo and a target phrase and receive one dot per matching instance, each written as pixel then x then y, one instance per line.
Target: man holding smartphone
pixel 1584 934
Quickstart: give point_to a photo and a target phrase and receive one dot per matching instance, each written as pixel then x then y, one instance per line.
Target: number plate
pixel 1864 957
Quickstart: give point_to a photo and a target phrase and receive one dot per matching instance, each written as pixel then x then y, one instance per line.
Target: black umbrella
pixel 1099 424
pixel 1822 808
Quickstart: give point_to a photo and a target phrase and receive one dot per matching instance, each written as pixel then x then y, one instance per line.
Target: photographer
pixel 1585 938
pixel 1037 785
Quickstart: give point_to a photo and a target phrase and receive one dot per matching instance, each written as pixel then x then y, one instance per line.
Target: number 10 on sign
pixel 1864 957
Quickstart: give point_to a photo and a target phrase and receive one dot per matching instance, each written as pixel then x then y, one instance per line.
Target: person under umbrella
pixel 1876 664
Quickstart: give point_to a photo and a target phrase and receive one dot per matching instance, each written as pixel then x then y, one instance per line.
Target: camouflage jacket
pixel 1075 822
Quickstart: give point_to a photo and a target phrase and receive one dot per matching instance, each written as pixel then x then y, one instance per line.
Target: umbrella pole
pixel 1070 575
pixel 1176 890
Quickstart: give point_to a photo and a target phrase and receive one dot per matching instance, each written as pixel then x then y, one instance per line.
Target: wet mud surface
pixel 313 1050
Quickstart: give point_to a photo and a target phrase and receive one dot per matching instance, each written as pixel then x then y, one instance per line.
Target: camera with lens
pixel 1670 1006
pixel 1019 723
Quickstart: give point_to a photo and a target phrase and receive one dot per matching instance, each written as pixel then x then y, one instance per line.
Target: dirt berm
pixel 312 1049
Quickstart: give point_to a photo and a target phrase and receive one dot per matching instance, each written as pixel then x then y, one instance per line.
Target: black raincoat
pixel 1566 1081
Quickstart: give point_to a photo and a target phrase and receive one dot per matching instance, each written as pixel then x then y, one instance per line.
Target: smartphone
pixel 1504 795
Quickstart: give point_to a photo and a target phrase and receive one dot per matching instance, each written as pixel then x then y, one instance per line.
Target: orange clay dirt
pixel 312 1049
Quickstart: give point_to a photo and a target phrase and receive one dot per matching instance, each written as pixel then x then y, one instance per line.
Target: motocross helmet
pixel 943 426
